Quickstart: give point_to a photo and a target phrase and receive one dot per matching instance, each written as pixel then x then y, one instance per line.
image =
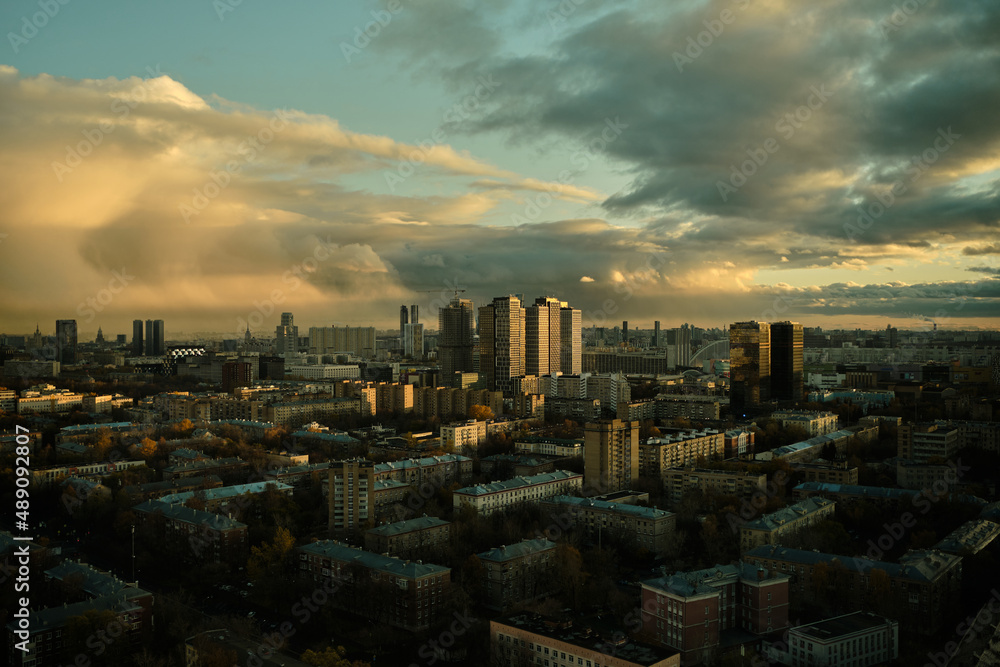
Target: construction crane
pixel 455 290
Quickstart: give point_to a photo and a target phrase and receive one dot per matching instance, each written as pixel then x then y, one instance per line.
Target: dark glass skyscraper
pixel 749 364
pixel 66 341
pixel 456 328
pixel 786 361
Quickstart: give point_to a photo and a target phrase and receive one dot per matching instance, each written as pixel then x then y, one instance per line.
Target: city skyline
pixel 582 154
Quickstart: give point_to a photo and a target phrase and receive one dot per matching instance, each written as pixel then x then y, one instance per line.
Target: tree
pixel 480 413
pixel 268 557
pixel 147 448
pixel 331 657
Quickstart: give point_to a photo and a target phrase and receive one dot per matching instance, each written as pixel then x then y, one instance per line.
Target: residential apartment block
pixel 923 588
pixel 500 496
pixel 827 472
pixel 403 594
pixel 677 448
pixel 518 573
pixel 611 455
pixel 813 423
pixel 651 529
pixel 193 535
pixel 771 528
pixel 410 539
pixel 526 640
pixel 692 611
pixel 679 481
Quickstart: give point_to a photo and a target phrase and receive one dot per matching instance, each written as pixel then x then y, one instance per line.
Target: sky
pixel 215 163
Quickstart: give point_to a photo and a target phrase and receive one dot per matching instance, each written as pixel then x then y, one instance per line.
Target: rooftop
pixel 518 482
pixel 408 526
pixel 591 633
pixel 348 554
pixel 921 566
pixel 224 492
pixel 420 463
pixel 519 550
pixel 617 508
pixel 774 520
pixel 699 582
pixel 973 536
pixel 189 515
pixel 842 626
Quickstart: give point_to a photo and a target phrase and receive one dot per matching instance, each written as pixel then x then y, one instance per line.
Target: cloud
pixel 586 279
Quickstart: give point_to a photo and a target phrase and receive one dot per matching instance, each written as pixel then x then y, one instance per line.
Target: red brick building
pixel 691 611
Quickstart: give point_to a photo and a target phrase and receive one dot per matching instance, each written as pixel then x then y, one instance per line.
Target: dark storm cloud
pixel 884 87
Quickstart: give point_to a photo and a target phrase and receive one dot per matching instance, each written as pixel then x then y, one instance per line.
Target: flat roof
pixel 842 626
pixel 617 508
pixel 518 482
pixel 590 633
pixel 348 554
pixel 511 551
pixel 408 526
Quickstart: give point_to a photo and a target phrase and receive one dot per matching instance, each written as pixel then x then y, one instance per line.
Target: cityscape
pixel 569 334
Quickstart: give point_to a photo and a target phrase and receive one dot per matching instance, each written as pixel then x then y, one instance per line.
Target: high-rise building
pixel 404 319
pixel 414 314
pixel 656 333
pixel 138 348
pixel 625 332
pixel 359 341
pixel 351 496
pixel 155 344
pixel 786 361
pixel 100 336
pixel 542 331
pixel 66 341
pixel 456 328
pixel 610 455
pixel 570 340
pixel 682 345
pixel 749 364
pixel 413 340
pixel 236 374
pixel 892 336
pixel 501 343
pixel 286 336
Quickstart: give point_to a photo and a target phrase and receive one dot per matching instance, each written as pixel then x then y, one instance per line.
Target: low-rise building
pixel 694 612
pixel 679 481
pixel 470 434
pixel 438 470
pixel 861 639
pixel 51 474
pixel 140 492
pixel 193 535
pixel 219 499
pixel 205 466
pixel 50 636
pixel 813 423
pixel 500 496
pixel 550 446
pixel 526 640
pixel 501 466
pixel 970 538
pixel 772 528
pixel 920 591
pixel 651 529
pixel 517 574
pixel 412 538
pixel 837 472
pixel 739 444
pixel 405 594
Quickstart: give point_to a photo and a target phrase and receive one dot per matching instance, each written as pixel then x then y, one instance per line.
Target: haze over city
pixel 507 333
pixel 504 148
